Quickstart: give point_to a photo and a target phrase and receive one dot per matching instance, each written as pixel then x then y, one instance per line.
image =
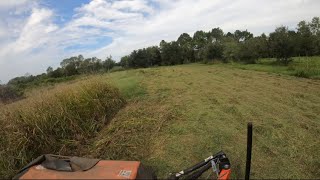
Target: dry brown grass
pixel 60 120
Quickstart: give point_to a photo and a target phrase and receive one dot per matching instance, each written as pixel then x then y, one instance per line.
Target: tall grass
pixel 61 121
pixel 306 67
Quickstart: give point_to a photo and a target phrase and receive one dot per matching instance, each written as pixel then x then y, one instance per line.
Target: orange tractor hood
pixel 55 168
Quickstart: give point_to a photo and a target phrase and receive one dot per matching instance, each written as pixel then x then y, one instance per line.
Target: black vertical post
pixel 249 150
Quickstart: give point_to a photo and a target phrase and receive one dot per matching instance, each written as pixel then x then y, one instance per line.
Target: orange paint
pixel 102 170
pixel 224 174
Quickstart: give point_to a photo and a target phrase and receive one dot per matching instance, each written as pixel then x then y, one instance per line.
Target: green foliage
pixel 307 67
pixel 282 45
pixel 49 70
pixel 124 62
pixel 216 35
pixel 242 35
pixel 301 73
pixel 117 68
pixel 238 46
pixel 90 65
pixel 200 39
pixel 304 39
pixel 153 55
pixel 9 94
pixel 70 67
pixel 57 73
pixel 231 50
pixel 145 57
pixel 60 121
pixel 248 52
pixel 186 47
pixel 212 51
pixel 170 53
pixel 109 63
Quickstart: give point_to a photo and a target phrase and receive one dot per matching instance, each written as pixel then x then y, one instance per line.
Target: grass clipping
pixel 60 121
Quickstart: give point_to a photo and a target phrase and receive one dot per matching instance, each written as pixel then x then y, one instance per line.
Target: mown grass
pixel 189 112
pixel 306 67
pixel 176 116
pixel 61 121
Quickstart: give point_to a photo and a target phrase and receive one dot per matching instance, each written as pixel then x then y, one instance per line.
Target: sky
pixel 35 34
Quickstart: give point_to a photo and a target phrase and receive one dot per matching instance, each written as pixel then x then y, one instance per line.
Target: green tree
pixel 200 40
pixel 59 72
pixel 70 69
pixel 282 45
pixel 315 29
pixel 49 70
pixel 263 46
pixel 71 65
pixel 305 39
pixel 185 43
pixel 109 63
pixel 124 62
pixel 170 53
pixel 242 35
pixel 153 56
pixel 75 60
pixel 231 50
pixel 229 35
pixel 212 51
pixel 315 25
pixel 216 35
pixel 249 50
pixel 90 65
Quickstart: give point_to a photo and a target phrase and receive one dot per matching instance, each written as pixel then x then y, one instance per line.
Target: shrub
pixel 9 94
pixel 59 121
pixel 117 68
pixel 284 61
pixel 301 73
pixel 306 67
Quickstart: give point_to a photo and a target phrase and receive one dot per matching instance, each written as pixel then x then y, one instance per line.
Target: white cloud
pixel 133 5
pixel 8 3
pixel 176 17
pixel 104 10
pixel 36 31
pixel 33 42
pixel 3 31
pixel 33 35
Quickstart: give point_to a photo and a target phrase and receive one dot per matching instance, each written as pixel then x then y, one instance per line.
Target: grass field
pixel 179 115
pixel 176 116
pixel 306 67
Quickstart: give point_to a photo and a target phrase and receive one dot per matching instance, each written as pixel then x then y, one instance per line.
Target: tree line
pixel 240 46
pixel 69 67
pixel 215 45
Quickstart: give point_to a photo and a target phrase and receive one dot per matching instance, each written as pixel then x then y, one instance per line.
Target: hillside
pixel 175 116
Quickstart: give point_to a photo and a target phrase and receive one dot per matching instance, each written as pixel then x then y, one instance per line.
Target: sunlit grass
pixel 61 120
pixel 306 67
pixel 192 111
pixel 176 116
